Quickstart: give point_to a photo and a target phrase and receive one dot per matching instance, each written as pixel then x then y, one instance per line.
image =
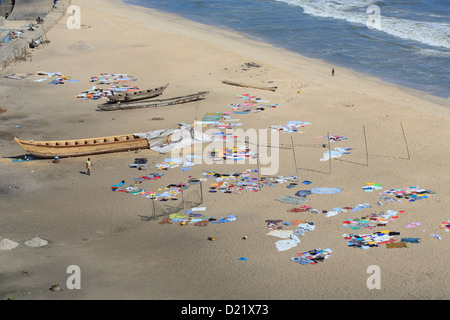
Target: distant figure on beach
pixel 332 72
pixel 88 166
pixel 56 160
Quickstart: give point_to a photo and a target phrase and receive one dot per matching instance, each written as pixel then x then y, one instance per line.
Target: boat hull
pixel 137 95
pixel 153 103
pixel 82 147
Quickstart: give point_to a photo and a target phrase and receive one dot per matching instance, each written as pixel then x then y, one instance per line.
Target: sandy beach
pixel 121 256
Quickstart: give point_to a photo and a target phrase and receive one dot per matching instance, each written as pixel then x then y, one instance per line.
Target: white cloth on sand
pixel 184 136
pixel 283 245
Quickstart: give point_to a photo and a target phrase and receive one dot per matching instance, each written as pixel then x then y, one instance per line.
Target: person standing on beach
pixel 88 166
pixel 332 72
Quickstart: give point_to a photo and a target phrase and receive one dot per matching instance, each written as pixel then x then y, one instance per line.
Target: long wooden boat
pixel 137 95
pixel 83 147
pixel 153 103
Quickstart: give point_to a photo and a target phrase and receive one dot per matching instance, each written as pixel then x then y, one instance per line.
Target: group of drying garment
pixel 304 193
pixel 217 120
pixel 232 182
pixel 115 78
pixel 97 93
pixel 110 79
pixel 193 217
pixel 290 127
pixel 332 138
pixel 445 225
pixel 235 153
pixel 250 104
pixel 372 220
pixel 172 192
pixel 121 185
pixel 402 243
pixel 58 77
pixel 170 163
pixel 334 211
pixel 221 136
pixel 366 241
pixel 335 153
pixel 312 256
pixel 328 213
pixel 371 186
pixel 236 182
pixel 411 194
pixel 290 237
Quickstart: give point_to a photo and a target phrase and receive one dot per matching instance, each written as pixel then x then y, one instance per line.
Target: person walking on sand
pixel 332 72
pixel 88 166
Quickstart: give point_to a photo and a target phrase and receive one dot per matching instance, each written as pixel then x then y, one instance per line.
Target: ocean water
pixel 406 42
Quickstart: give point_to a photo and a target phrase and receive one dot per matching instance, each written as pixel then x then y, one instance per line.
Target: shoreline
pixel 122 256
pixel 228 32
pixel 394 82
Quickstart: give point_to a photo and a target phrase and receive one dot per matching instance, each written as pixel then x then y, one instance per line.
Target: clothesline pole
pixel 182 196
pixel 201 193
pixel 295 160
pixel 367 150
pixel 154 211
pixel 329 150
pixel 406 143
pixel 196 109
pixel 259 174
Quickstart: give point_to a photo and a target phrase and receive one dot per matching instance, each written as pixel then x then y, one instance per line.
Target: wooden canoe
pixel 154 103
pixel 83 147
pixel 137 95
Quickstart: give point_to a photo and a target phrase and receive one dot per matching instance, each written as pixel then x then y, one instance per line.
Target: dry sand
pixel 123 257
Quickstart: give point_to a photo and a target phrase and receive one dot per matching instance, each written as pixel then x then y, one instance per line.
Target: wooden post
pixel 201 193
pixel 295 160
pixel 182 196
pixel 45 34
pixel 154 211
pixel 367 150
pixel 406 143
pixel 329 150
pixel 196 109
pixel 259 174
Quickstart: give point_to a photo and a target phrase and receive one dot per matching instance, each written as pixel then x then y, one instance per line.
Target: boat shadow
pixel 21 158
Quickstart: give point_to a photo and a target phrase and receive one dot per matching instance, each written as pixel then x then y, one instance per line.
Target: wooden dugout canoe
pixel 83 147
pixel 137 95
pixel 153 103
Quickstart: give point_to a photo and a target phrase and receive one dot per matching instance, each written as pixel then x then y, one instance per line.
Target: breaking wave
pixel 355 11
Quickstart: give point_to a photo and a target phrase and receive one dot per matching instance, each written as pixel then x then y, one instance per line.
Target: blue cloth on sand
pixel 326 190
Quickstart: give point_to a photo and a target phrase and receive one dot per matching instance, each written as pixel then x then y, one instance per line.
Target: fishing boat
pixel 83 147
pixel 136 95
pixel 153 103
